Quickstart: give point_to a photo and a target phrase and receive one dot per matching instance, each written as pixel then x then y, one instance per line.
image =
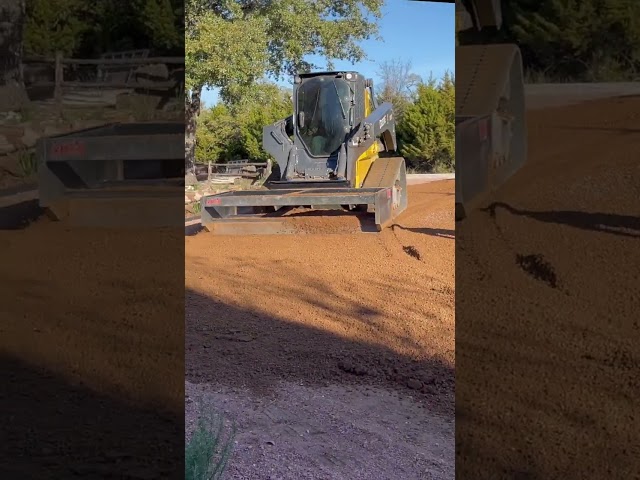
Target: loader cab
pixel 314 145
pixel 328 108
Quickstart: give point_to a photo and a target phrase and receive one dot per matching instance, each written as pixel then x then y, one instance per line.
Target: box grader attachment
pixel 491 140
pixel 117 175
pixel 334 152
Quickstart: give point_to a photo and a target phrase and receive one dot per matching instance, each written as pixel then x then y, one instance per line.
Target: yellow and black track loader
pixel 335 151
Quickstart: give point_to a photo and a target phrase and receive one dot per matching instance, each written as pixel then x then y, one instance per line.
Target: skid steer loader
pixel 334 152
pixel 491 142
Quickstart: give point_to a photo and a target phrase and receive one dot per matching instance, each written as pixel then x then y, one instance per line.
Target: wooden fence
pixel 60 62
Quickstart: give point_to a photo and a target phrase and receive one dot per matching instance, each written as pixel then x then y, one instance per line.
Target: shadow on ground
pixel 241 348
pixel 434 232
pixel 91 345
pixel 53 429
pixel 20 215
pixel 614 224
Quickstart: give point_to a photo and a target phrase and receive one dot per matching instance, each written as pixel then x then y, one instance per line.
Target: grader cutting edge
pixel 491 142
pixel 334 152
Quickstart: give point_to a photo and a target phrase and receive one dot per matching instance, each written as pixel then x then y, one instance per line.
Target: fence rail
pixel 60 62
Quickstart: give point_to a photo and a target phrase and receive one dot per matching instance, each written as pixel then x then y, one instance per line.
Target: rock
pixel 429 381
pixel 354 369
pixel 190 179
pixel 173 106
pixel 346 366
pixel 414 384
pixel 13 97
pixel 360 370
pixel 187 200
pixel 197 197
pixel 6 146
pixel 147 75
pixel 29 137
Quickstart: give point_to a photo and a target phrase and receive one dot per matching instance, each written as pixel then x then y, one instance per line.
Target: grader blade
pixel 264 211
pixel 118 175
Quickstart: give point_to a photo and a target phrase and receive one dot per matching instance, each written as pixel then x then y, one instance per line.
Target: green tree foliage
pixel 12 94
pixel 56 25
pixel 161 21
pixel 426 133
pixel 84 28
pixel 231 133
pixel 231 44
pixel 227 53
pixel 572 40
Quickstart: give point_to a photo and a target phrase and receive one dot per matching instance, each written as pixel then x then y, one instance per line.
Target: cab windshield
pixel 325 103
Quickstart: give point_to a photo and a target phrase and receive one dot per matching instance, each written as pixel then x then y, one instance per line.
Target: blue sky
pixel 421 32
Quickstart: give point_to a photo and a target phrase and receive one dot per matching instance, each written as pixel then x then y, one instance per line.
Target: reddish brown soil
pixel 547 311
pixel 329 307
pixel 91 341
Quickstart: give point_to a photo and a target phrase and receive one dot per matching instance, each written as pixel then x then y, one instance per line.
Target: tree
pixel 427 131
pixel 233 43
pixel 571 40
pixel 589 40
pixel 227 133
pixel 12 17
pixel 55 25
pixel 217 137
pixel 160 21
pixel 399 85
pixel 228 53
pixel 266 104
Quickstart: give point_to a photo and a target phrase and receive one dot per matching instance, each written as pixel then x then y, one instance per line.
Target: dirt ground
pixel 332 351
pixel 91 345
pixel 547 306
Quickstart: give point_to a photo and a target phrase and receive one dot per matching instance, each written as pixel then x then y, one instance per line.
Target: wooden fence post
pixel 209 171
pixel 59 79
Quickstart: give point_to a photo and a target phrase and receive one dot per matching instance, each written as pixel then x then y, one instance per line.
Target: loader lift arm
pixel 380 125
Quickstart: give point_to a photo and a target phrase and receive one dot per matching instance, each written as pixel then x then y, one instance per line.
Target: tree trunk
pixel 12 92
pixel 192 110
